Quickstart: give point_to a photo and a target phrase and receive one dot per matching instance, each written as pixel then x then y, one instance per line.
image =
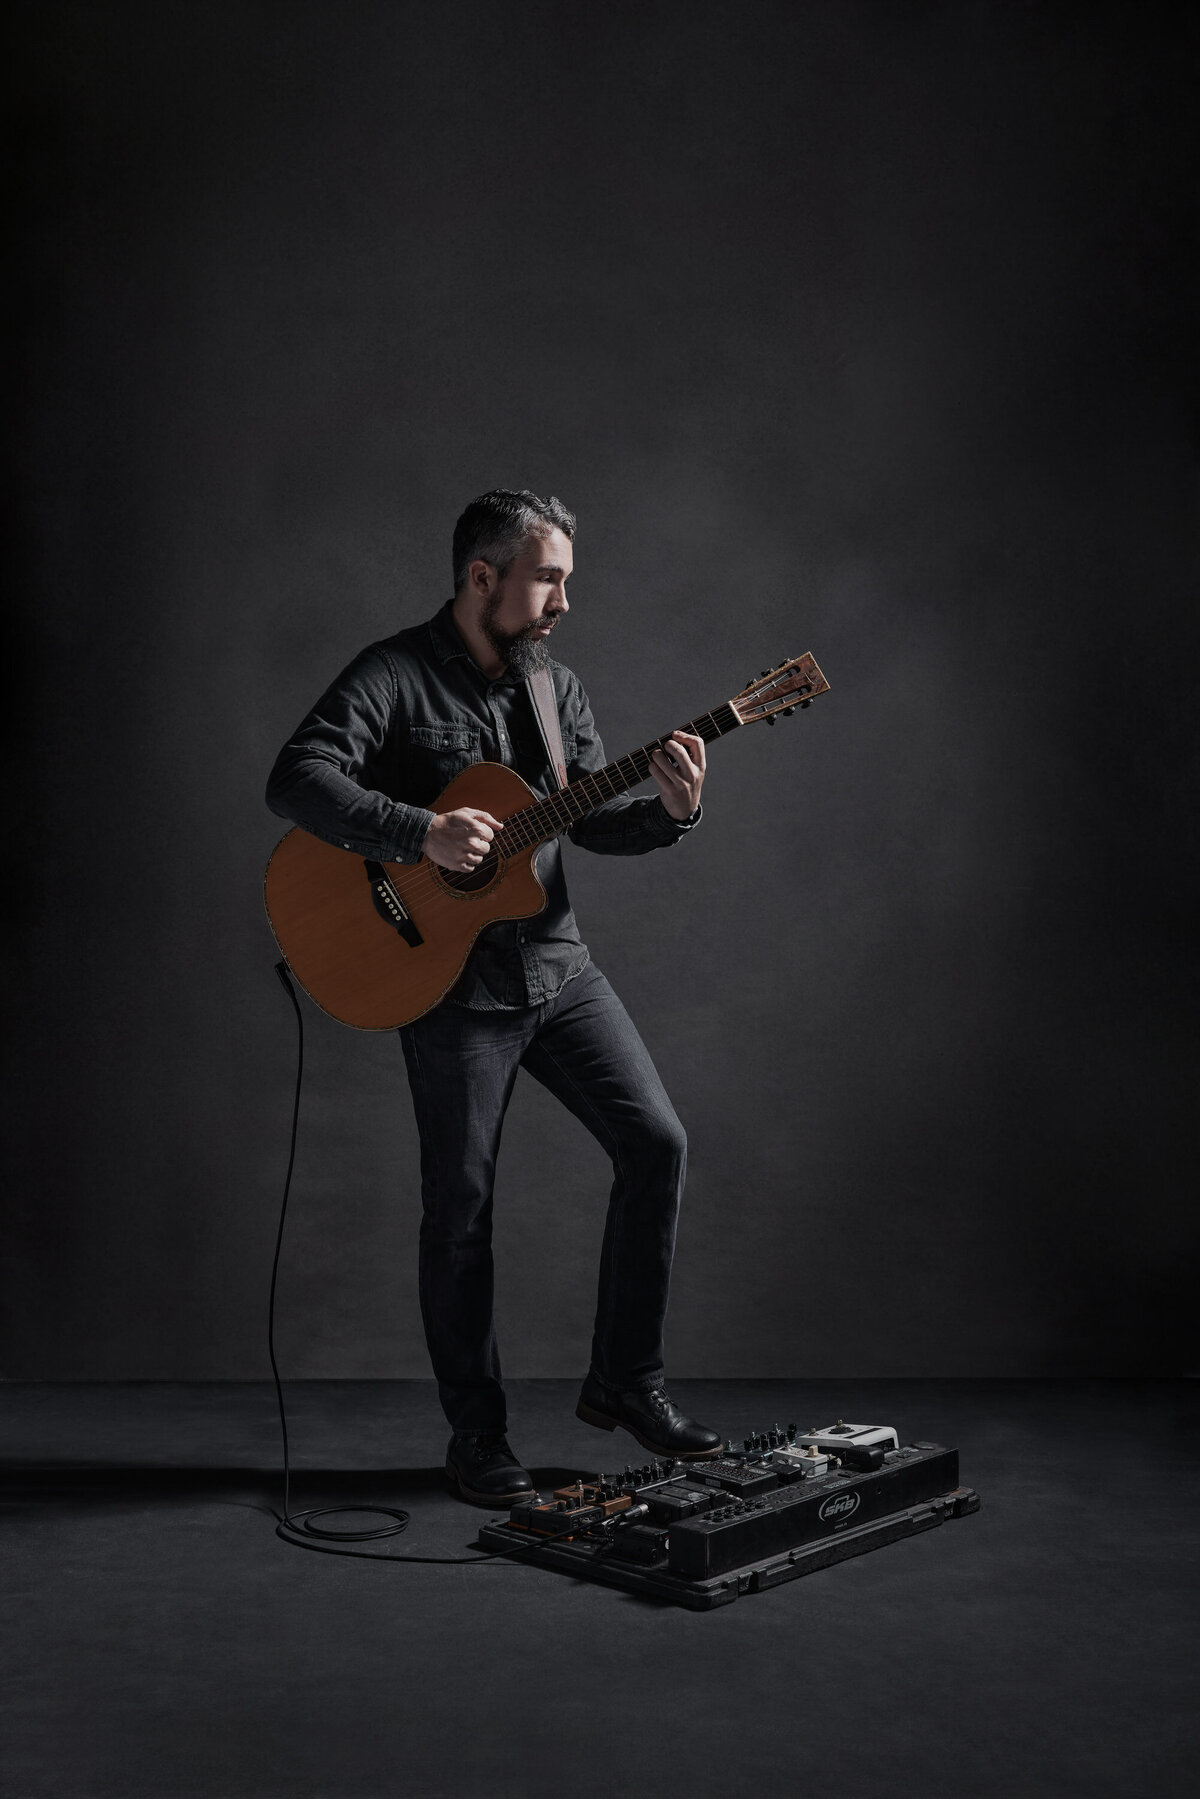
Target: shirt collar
pixel 447 643
pixel 444 633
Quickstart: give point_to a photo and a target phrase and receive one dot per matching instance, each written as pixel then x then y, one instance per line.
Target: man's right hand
pixel 460 840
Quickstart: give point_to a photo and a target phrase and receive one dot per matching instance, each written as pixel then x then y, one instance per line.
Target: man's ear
pixel 482 577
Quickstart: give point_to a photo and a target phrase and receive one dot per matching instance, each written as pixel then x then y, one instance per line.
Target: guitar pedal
pixel 861 1446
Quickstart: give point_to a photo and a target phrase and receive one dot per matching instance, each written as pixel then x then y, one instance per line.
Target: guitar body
pixel 354 963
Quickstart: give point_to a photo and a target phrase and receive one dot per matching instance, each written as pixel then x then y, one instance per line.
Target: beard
pixel 522 652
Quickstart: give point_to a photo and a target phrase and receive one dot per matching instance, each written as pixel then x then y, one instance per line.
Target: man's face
pixel 524 607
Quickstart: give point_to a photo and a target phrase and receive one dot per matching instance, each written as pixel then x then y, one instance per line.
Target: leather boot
pixel 650 1416
pixel 483 1470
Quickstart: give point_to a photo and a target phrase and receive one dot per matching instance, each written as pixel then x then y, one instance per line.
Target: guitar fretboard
pixel 548 817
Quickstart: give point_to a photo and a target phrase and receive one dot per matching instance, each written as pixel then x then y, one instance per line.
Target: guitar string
pixel 526 828
pixel 565 806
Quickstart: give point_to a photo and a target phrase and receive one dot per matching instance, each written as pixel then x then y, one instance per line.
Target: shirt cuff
pixel 679 824
pixel 409 825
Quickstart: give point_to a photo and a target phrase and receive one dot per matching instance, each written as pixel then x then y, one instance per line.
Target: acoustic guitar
pixel 376 944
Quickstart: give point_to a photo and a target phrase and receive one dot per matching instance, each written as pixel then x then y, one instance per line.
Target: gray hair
pixel 496 527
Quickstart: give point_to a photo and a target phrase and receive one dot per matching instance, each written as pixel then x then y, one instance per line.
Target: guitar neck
pixel 549 817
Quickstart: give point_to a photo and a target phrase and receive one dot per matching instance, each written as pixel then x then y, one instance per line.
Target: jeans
pixel 462 1067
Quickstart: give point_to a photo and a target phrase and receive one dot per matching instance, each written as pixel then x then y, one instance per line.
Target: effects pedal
pixel 782 1504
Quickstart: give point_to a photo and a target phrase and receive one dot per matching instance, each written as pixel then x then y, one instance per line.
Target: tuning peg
pixel 766 671
pixel 788 710
pixel 771 720
pixel 805 703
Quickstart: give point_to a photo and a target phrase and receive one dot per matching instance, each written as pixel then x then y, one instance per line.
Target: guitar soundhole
pixel 472 880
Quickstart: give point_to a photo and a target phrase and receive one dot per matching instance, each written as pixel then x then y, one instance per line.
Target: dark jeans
pixel 462 1066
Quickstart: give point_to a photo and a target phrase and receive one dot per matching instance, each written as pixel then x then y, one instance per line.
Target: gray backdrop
pixel 864 329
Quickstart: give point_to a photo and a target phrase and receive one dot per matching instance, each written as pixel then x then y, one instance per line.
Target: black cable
pixel 296 1527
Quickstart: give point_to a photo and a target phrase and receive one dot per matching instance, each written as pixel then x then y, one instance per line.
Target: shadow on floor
pixel 68 1479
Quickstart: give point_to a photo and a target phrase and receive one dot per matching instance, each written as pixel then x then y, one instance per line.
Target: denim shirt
pixel 363 768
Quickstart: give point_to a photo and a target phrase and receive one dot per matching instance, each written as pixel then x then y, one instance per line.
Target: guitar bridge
pixel 389 905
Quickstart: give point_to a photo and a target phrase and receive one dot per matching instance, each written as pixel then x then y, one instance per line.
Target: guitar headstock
pixel 782 689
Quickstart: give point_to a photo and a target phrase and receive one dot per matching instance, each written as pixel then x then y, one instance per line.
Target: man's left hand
pixel 678 772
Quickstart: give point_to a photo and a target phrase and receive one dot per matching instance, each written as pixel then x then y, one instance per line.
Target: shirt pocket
pixel 436 753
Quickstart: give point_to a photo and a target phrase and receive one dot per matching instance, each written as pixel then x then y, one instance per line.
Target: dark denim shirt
pixel 394 728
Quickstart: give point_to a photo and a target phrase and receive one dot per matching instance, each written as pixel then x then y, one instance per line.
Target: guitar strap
pixel 545 708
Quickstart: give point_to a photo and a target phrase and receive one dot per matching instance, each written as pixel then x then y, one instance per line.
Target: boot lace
pixel 484 1446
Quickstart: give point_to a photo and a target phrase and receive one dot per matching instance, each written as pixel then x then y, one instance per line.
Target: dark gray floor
pixel 162 1642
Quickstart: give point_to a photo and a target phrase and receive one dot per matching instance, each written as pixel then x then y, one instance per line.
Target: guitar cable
pixel 300 1529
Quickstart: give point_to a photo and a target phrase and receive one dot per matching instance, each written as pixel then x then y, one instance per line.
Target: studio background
pixel 866 329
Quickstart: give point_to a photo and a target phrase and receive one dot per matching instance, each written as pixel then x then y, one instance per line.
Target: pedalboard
pixel 701 1533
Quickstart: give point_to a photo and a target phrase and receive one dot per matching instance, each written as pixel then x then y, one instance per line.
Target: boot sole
pixel 602 1421
pixel 496 1502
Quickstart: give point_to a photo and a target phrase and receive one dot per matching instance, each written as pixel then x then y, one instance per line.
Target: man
pixel 361 772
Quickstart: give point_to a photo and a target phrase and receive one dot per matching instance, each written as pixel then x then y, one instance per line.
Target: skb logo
pixel 838 1507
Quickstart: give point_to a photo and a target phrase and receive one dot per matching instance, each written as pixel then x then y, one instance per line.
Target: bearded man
pixel 361 772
